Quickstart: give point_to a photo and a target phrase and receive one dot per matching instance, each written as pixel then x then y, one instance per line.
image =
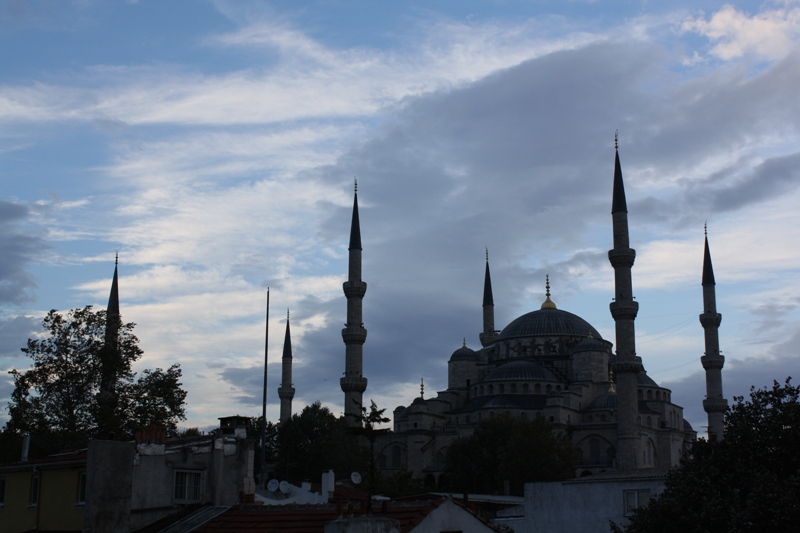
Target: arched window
pixel 649 422
pixel 513 388
pixel 641 396
pixel 525 388
pixel 501 388
pixel 397 453
pixel 491 389
pixel 658 395
pixel 481 390
pixel 558 388
pixel 649 394
pixel 549 388
pixel 382 462
pixel 524 415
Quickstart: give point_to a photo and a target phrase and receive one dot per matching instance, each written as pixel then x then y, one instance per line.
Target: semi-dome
pixel 604 402
pixel 464 354
pixel 590 344
pixel 643 380
pixel 520 371
pixel 548 322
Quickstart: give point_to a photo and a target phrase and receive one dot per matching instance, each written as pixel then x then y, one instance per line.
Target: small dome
pixel 590 344
pixel 687 426
pixel 548 322
pixel 418 400
pixel 604 402
pixel 643 380
pixel 464 354
pixel 520 371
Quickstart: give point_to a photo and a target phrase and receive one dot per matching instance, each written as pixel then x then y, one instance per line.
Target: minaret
pixel 354 383
pixel 286 391
pixel 488 307
pixel 714 404
pixel 626 365
pixel 109 365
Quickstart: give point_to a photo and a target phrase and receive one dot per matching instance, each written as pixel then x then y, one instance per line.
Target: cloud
pixel 769 34
pixel 21 248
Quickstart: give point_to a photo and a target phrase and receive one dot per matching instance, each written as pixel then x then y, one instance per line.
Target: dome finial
pixel 421 388
pixel 548 303
pixel 465 343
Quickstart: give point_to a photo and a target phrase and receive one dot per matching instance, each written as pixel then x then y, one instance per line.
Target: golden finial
pixel 421 388
pixel 548 303
pixel 465 343
pixel 611 386
pixel 616 139
pixel 355 184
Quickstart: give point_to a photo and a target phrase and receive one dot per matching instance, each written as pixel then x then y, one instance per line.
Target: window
pixel 188 485
pixel 33 497
pixel 633 499
pixel 81 499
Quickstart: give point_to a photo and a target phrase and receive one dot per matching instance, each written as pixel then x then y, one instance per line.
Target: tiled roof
pixel 312 518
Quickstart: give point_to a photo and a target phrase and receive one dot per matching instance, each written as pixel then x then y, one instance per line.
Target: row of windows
pixel 653 396
pixel 513 389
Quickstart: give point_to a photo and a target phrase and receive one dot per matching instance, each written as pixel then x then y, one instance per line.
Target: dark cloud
pixel 771 178
pixel 20 249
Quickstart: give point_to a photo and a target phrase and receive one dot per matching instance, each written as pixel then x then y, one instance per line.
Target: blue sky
pixel 214 145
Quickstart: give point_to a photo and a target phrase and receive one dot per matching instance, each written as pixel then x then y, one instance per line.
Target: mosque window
pixel 501 388
pixel 658 395
pixel 537 388
pixel 649 394
pixel 525 388
pixel 481 390
pixel 491 389
pixel 649 422
pixel 641 396
pixel 549 388
pixel 513 388
pixel 558 388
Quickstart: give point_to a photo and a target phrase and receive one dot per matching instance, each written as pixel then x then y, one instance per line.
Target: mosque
pixel 551 363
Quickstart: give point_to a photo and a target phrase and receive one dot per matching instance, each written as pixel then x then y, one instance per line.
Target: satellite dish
pixel 272 486
pixel 285 487
pixel 355 477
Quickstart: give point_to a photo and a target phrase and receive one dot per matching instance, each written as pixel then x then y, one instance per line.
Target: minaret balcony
pixel 623 366
pixel 285 393
pixel 353 384
pixel 711 320
pixel 713 362
pixel 354 335
pixel 355 289
pixel 715 405
pixel 622 310
pixel 622 258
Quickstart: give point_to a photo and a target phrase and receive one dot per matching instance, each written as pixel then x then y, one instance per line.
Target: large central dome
pixel 548 322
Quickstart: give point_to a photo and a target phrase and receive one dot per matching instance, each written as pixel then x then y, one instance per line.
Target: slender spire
pixel 110 360
pixel 488 299
pixel 113 299
pixel 421 388
pixel 286 391
pixel 488 333
pixel 355 226
pixel 714 404
pixel 618 202
pixel 353 383
pixel 548 303
pixel 708 269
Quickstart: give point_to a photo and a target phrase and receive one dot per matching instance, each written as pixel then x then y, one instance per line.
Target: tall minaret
pixel 488 307
pixel 626 365
pixel 109 365
pixel 286 391
pixel 354 383
pixel 714 404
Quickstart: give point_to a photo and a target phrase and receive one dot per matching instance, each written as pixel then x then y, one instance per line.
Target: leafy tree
pixel 749 481
pixel 314 441
pixel 368 429
pixel 508 449
pixel 57 398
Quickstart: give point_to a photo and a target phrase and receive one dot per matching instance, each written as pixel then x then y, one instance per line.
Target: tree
pixel 748 481
pixel 508 449
pixel 367 428
pixel 58 396
pixel 314 441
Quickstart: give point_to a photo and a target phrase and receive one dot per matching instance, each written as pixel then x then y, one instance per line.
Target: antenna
pixel 272 486
pixel 355 477
pixel 285 487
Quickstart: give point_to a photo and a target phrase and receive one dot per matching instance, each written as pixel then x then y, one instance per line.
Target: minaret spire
pixel 354 335
pixel 714 404
pixel 625 365
pixel 488 307
pixel 109 364
pixel 286 391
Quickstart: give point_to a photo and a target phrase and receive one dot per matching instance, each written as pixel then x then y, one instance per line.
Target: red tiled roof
pixel 312 518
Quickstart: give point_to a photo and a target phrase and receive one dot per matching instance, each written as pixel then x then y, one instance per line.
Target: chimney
pixel 26 446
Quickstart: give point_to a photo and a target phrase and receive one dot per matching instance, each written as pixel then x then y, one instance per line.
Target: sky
pixel 214 146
